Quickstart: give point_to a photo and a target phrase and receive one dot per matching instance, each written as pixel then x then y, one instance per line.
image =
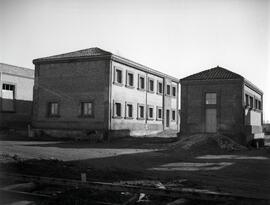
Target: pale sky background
pixel 178 37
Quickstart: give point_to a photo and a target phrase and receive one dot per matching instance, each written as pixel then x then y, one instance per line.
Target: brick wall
pixel 71 83
pixel 229 106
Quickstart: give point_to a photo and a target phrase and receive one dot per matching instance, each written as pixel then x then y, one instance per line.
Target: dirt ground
pixel 243 171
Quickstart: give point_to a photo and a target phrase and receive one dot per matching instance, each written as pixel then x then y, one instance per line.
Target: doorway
pixel 167 118
pixel 211 120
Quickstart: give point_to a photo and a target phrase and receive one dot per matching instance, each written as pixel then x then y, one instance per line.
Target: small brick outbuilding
pixel 220 101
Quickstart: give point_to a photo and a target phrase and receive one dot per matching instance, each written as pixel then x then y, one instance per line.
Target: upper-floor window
pixel 141 82
pixel 160 88
pixel 260 105
pixel 168 90
pixel 8 97
pixel 86 109
pixel 53 109
pixel 173 91
pixel 247 99
pixel 130 79
pixel 211 98
pixel 151 85
pixel 118 73
pixel 251 101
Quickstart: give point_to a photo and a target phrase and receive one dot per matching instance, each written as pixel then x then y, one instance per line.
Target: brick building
pixel 92 89
pixel 16 95
pixel 220 101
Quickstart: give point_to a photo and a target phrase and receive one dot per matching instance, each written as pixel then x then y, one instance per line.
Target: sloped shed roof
pixel 16 70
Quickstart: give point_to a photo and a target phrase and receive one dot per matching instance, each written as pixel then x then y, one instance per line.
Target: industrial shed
pixel 16 96
pixel 220 101
pixel 93 90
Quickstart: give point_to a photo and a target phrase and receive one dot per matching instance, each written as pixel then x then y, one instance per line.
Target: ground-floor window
pixel 129 110
pixel 117 109
pixel 141 111
pixel 150 112
pixel 87 109
pixel 53 109
pixel 159 113
pixel 173 115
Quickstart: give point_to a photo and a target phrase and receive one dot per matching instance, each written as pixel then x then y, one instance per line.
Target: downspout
pixel 146 108
pixel 163 104
pixel 110 96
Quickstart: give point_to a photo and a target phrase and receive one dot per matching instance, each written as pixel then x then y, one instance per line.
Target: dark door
pixel 211 120
pixel 167 118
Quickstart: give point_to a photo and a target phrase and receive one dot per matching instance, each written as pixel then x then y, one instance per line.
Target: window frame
pixel 82 107
pixel 162 89
pixel 126 110
pixel 139 82
pixel 205 100
pixel 138 111
pixel 148 112
pixel 173 120
pixel 14 96
pixel 174 94
pixel 49 106
pixel 157 113
pixel 127 79
pixel 115 111
pixel 251 102
pixel 116 68
pixel 149 80
pixel 168 94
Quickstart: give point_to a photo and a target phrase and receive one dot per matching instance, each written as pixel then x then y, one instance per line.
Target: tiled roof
pixel 97 52
pixel 214 73
pixel 89 52
pixel 16 70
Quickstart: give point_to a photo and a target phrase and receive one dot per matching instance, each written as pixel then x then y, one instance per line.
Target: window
pixel 117 112
pixel 150 112
pixel 130 79
pixel 151 85
pixel 86 109
pixel 211 98
pixel 160 88
pixel 251 102
pixel 247 100
pixel 256 104
pixel 173 91
pixel 118 79
pixel 8 97
pixel 140 111
pixel 168 89
pixel 53 109
pixel 260 105
pixel 173 115
pixel 159 113
pixel 141 83
pixel 129 111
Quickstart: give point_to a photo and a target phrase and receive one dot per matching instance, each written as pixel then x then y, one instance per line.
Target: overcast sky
pixel 178 37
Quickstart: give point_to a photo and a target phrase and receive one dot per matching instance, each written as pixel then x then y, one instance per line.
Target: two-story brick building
pixel 16 95
pixel 220 101
pixel 93 89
